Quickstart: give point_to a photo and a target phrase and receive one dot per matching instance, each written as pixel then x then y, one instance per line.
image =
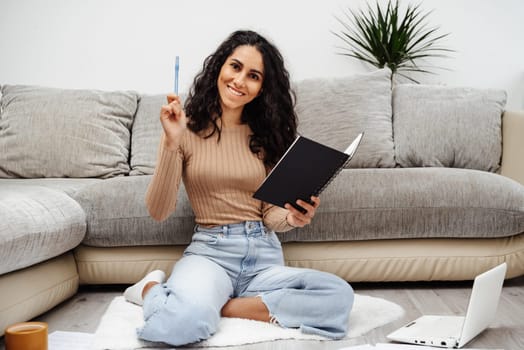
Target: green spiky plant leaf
pixel 390 38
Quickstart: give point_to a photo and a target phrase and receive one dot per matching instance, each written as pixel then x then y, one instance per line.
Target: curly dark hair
pixel 271 115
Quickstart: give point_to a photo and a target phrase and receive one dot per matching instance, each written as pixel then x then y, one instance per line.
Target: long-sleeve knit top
pixel 220 179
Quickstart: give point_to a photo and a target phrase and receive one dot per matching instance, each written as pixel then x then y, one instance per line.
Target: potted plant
pixel 391 38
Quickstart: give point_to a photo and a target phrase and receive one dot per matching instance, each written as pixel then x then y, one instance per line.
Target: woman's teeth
pixel 234 92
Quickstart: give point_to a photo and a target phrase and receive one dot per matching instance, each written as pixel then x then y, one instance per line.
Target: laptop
pixel 456 331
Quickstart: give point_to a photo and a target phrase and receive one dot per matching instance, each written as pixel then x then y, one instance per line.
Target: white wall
pixel 131 44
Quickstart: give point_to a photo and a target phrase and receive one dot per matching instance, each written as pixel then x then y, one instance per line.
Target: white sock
pixel 133 294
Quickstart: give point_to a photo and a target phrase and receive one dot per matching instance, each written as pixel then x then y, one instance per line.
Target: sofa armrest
pixel 512 164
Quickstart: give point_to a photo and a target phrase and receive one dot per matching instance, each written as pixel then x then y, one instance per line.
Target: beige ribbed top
pixel 220 179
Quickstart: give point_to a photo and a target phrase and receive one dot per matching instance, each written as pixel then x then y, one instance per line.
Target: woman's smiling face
pixel 240 79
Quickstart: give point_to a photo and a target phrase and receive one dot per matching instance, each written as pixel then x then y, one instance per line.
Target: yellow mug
pixel 26 336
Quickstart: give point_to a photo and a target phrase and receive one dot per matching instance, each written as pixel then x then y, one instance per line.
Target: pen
pixel 177 64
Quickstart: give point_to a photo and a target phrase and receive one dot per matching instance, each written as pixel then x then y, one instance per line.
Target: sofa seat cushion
pixel 66 185
pixel 367 204
pixel 116 215
pixel 36 224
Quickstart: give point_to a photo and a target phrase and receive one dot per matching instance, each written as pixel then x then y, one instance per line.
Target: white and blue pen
pixel 177 66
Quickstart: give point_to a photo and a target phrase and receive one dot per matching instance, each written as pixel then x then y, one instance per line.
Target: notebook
pixel 456 331
pixel 305 170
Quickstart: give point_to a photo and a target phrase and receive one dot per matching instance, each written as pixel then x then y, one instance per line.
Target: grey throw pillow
pixel 146 133
pixel 448 126
pixel 333 111
pixel 49 132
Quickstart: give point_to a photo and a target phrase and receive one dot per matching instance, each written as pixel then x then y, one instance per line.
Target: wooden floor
pixel 83 312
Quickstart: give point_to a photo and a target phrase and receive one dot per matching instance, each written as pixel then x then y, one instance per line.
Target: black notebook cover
pixel 304 170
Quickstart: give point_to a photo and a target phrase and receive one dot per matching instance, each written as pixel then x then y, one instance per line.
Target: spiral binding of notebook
pixel 328 181
pixel 350 151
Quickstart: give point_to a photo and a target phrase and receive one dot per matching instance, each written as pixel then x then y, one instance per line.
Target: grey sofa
pixel 434 193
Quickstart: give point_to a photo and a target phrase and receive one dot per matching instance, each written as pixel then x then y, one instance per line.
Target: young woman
pixel 237 122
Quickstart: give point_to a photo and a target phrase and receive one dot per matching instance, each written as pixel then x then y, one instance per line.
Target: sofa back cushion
pixel 438 126
pixel 333 111
pixel 49 132
pixel 146 133
pixel 330 110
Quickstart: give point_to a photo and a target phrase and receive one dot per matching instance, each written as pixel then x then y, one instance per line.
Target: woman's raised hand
pixel 174 120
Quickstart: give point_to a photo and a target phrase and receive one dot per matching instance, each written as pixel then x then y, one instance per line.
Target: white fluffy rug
pixel 117 329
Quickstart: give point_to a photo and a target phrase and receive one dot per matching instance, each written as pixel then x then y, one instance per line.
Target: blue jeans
pixel 242 260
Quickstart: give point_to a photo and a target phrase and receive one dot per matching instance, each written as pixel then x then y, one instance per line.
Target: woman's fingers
pixel 173 119
pixel 298 218
pixel 309 207
pixel 172 97
pixel 173 108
